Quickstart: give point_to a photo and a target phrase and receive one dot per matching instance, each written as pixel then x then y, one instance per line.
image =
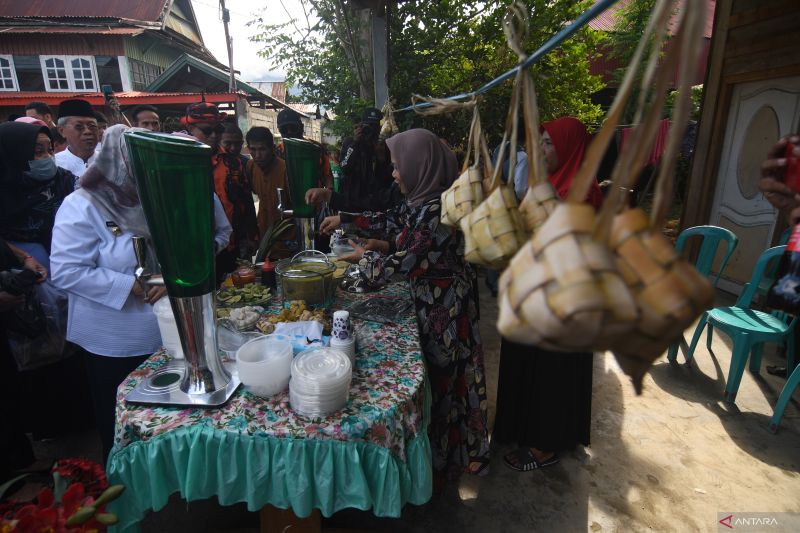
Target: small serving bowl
pixel 264 365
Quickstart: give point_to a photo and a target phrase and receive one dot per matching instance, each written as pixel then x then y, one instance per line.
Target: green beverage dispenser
pixel 303 173
pixel 173 177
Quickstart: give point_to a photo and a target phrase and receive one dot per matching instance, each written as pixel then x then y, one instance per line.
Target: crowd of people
pixel 68 217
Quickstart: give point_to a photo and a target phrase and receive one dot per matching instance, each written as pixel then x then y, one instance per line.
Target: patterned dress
pixel 430 256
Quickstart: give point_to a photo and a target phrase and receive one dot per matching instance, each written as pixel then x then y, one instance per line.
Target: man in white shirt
pixel 78 125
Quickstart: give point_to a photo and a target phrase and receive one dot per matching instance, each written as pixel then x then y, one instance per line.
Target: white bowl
pixel 264 365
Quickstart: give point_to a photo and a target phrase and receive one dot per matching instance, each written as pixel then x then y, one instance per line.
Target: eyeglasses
pixel 79 127
pixel 208 130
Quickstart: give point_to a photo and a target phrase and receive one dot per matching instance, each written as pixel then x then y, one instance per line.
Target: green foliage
pixel 629 25
pixel 438 49
pixel 694 111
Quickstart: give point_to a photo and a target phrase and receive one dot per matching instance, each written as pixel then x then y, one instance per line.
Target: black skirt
pixel 544 398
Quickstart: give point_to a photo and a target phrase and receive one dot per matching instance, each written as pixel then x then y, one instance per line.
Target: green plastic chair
pixel 712 236
pixel 748 328
pixel 783 399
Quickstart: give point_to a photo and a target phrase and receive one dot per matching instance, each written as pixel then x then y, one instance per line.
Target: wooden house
pixel 147 51
pixel 751 99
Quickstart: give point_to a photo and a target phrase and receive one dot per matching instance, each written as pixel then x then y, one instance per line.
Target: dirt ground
pixel 668 460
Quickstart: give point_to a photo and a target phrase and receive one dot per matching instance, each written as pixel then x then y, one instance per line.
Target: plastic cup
pixel 170 338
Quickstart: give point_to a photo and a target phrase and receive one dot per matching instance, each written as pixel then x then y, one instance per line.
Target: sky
pixel 245 57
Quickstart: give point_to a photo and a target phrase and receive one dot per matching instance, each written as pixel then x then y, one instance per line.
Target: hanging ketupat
pixel 670 294
pixel 563 290
pixel 495 230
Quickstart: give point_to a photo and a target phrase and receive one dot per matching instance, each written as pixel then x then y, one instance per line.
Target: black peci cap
pixel 75 108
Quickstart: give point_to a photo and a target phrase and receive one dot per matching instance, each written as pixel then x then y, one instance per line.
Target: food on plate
pixel 237 296
pixel 296 312
pixel 245 317
pixel 265 326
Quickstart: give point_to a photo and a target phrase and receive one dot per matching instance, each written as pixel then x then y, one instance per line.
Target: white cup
pixel 347 346
pixel 168 327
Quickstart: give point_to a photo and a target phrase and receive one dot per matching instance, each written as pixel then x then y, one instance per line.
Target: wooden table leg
pixel 274 520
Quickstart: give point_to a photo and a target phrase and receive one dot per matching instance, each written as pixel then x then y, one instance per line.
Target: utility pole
pixel 380 53
pixel 226 17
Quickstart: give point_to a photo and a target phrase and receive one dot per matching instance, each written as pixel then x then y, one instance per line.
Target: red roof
pixel 145 10
pixel 94 30
pixel 605 21
pixel 130 98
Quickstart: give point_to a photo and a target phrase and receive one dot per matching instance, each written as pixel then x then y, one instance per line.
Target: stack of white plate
pixel 320 381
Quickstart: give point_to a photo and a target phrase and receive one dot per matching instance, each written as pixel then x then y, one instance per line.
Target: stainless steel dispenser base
pixel 162 387
pixel 201 379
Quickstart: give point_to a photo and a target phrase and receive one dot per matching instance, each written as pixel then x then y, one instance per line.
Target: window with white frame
pixel 69 73
pixel 8 78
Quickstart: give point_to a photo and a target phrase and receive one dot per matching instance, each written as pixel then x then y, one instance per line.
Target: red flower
pixel 88 473
pixel 72 498
pixel 49 515
pixel 45 497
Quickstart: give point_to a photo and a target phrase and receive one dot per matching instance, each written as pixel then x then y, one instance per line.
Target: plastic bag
pixel 49 344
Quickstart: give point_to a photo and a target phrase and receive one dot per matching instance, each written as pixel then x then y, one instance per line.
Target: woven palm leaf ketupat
pixel 467 191
pixel 669 293
pixel 388 123
pixel 562 290
pixel 495 230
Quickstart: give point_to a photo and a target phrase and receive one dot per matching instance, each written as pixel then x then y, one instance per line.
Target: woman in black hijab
pixel 32 186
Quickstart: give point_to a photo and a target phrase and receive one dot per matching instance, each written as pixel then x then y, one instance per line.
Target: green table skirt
pixel 303 474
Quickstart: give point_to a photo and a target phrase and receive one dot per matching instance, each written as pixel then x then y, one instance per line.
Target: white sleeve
pixel 521 176
pixel 73 263
pixel 222 228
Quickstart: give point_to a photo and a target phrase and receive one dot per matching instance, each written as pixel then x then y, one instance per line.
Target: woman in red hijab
pixel 544 399
pixel 564 141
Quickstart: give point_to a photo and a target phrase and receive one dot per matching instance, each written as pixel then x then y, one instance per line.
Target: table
pixel 372 455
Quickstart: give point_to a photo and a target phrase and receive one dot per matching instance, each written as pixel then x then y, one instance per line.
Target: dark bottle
pixel 784 295
pixel 268 274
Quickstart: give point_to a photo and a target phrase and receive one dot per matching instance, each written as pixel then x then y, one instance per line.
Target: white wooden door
pixel 761 112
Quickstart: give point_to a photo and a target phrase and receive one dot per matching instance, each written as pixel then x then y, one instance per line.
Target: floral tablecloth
pixel 374 454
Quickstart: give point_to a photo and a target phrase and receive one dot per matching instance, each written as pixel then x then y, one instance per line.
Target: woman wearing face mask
pixel 31 191
pixel 430 255
pixel 33 188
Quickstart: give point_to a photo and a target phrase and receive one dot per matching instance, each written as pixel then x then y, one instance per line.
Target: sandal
pixel 478 467
pixel 523 460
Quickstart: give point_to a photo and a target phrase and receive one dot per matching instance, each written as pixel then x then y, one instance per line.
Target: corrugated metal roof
pixel 306 109
pixel 94 30
pixel 144 10
pixel 176 71
pixel 125 99
pixel 277 89
pixel 605 21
